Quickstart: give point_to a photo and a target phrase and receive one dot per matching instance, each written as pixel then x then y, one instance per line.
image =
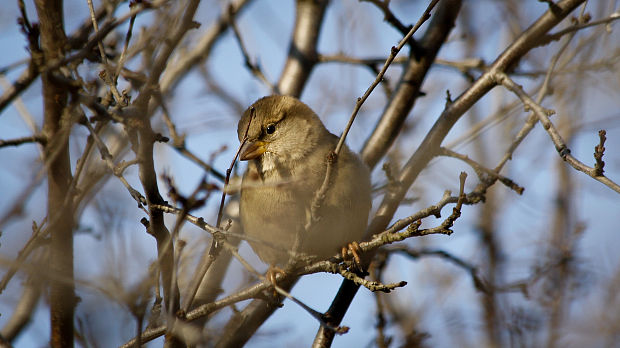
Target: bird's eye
pixel 270 128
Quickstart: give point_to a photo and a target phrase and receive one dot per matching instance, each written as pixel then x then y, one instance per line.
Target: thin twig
pixel 479 282
pixel 178 141
pixel 254 67
pixel 121 59
pixel 40 139
pixel 33 242
pixel 320 194
pixel 599 151
pixel 480 169
pixel 560 145
pixel 461 65
pixel 571 30
pixel 214 231
pixel 532 120
pixel 315 314
pixel 107 78
pixel 109 160
pixel 232 164
pixel 372 285
pixel 389 16
pixel 217 238
pixel 393 52
pixel 412 223
pixel 21 108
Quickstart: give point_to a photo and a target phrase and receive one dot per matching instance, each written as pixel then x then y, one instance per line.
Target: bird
pixel 287 149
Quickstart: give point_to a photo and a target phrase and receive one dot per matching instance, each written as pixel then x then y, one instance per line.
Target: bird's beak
pixel 252 150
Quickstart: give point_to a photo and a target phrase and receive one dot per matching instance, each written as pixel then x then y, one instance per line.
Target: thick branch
pixel 62 293
pixel 302 54
pixel 408 90
pixel 156 226
pixel 432 142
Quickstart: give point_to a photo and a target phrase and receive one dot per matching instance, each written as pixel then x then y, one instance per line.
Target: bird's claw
pixel 272 274
pixel 355 250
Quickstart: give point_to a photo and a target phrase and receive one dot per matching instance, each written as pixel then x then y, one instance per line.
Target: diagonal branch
pixel 560 144
pixel 389 16
pixel 198 54
pixel 395 113
pixel 252 66
pixel 429 147
pixel 333 157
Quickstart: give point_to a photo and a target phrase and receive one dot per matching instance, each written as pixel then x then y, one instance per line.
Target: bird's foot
pixel 272 274
pixel 355 250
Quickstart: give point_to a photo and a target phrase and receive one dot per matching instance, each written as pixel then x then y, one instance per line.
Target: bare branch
pixel 178 141
pixel 482 169
pixel 319 196
pixel 254 67
pixel 571 30
pixel 409 86
pixel 62 294
pixel 25 140
pixel 388 16
pixel 599 151
pixel 108 77
pixel 114 169
pixel 203 48
pixel 302 55
pixel 560 145
pixel 432 142
pixel 370 285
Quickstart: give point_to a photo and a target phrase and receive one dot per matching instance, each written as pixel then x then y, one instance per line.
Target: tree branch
pixel 560 145
pixel 430 145
pixel 302 54
pixel 62 293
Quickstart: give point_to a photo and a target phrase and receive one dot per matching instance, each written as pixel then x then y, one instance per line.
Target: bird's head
pixel 281 129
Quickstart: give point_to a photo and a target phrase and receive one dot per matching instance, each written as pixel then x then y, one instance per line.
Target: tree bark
pixel 58 165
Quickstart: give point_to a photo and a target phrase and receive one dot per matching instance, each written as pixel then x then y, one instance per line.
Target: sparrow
pixel 287 148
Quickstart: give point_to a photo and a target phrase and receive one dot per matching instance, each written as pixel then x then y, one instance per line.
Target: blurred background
pixel 548 257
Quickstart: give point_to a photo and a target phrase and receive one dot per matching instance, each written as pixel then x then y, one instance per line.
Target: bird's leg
pixel 299 233
pixel 355 250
